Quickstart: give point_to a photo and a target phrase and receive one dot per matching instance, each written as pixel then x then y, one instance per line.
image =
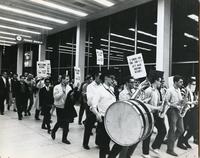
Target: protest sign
pixel 136 66
pixel 100 57
pixel 77 75
pixel 41 69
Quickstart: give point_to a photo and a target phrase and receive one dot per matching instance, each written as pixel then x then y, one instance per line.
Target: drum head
pixel 124 123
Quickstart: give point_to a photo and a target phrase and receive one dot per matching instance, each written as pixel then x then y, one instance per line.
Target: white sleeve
pixel 89 93
pixel 57 93
pixel 95 99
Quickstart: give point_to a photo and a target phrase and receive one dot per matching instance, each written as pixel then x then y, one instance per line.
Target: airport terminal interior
pixel 67 34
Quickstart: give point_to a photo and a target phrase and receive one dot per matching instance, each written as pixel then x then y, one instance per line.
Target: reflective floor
pixel 26 139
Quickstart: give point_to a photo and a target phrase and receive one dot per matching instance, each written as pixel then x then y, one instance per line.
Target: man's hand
pixel 99 118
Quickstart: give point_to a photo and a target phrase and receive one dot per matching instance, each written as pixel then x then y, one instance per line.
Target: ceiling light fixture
pixel 147 43
pixel 3 44
pixel 123 44
pixel 8 38
pixel 120 36
pixel 13 34
pixel 32 41
pixel 59 7
pixel 190 36
pixel 193 17
pixel 142 32
pixel 26 23
pixel 131 39
pixel 27 13
pixel 117 48
pixel 104 3
pixel 3 41
pixel 17 29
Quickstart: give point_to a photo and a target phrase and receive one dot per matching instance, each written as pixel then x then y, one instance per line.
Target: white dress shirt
pixel 90 91
pixel 60 95
pixel 125 94
pixel 173 95
pixel 103 98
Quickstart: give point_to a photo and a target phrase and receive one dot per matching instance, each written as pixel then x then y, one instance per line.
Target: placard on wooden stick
pixel 136 66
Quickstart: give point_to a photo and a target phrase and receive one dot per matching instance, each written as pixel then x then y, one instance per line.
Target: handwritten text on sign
pixel 77 75
pixel 136 66
pixel 100 57
pixel 41 69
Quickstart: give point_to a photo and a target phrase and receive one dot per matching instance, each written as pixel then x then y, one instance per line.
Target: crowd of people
pixel 94 96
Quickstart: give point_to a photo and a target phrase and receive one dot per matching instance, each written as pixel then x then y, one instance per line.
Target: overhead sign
pixel 136 66
pixel 77 75
pixel 100 57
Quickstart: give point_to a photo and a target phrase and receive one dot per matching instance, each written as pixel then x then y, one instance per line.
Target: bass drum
pixel 128 122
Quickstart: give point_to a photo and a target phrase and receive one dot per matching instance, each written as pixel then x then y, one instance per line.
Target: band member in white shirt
pixel 176 127
pixel 103 98
pixel 60 92
pixel 90 117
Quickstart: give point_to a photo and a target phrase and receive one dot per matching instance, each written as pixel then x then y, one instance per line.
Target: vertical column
pixel 20 59
pixel 164 46
pixel 41 51
pixel 80 47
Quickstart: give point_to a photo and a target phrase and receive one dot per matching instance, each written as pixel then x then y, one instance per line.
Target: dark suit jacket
pixel 21 96
pixel 69 110
pixel 3 88
pixel 46 99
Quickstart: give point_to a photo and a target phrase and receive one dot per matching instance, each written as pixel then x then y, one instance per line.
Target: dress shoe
pixel 37 118
pixel 43 127
pixel 187 145
pixel 2 113
pixel 19 118
pixel 182 146
pixel 80 123
pixel 15 110
pixel 25 114
pixel 86 147
pixel 29 114
pixel 49 131
pixel 171 153
pixel 66 141
pixel 53 135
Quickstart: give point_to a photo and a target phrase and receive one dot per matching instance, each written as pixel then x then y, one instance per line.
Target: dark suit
pixel 46 101
pixel 21 97
pixel 3 94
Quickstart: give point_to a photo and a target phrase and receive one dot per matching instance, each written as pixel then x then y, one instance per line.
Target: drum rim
pixel 141 113
pixel 105 125
pixel 150 116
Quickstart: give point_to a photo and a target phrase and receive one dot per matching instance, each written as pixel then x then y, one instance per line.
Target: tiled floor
pixel 26 139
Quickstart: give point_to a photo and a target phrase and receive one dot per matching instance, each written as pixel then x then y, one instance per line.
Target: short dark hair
pixel 190 80
pixel 106 73
pixel 177 78
pixel 88 77
pixel 64 76
pixel 21 76
pixel 154 75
